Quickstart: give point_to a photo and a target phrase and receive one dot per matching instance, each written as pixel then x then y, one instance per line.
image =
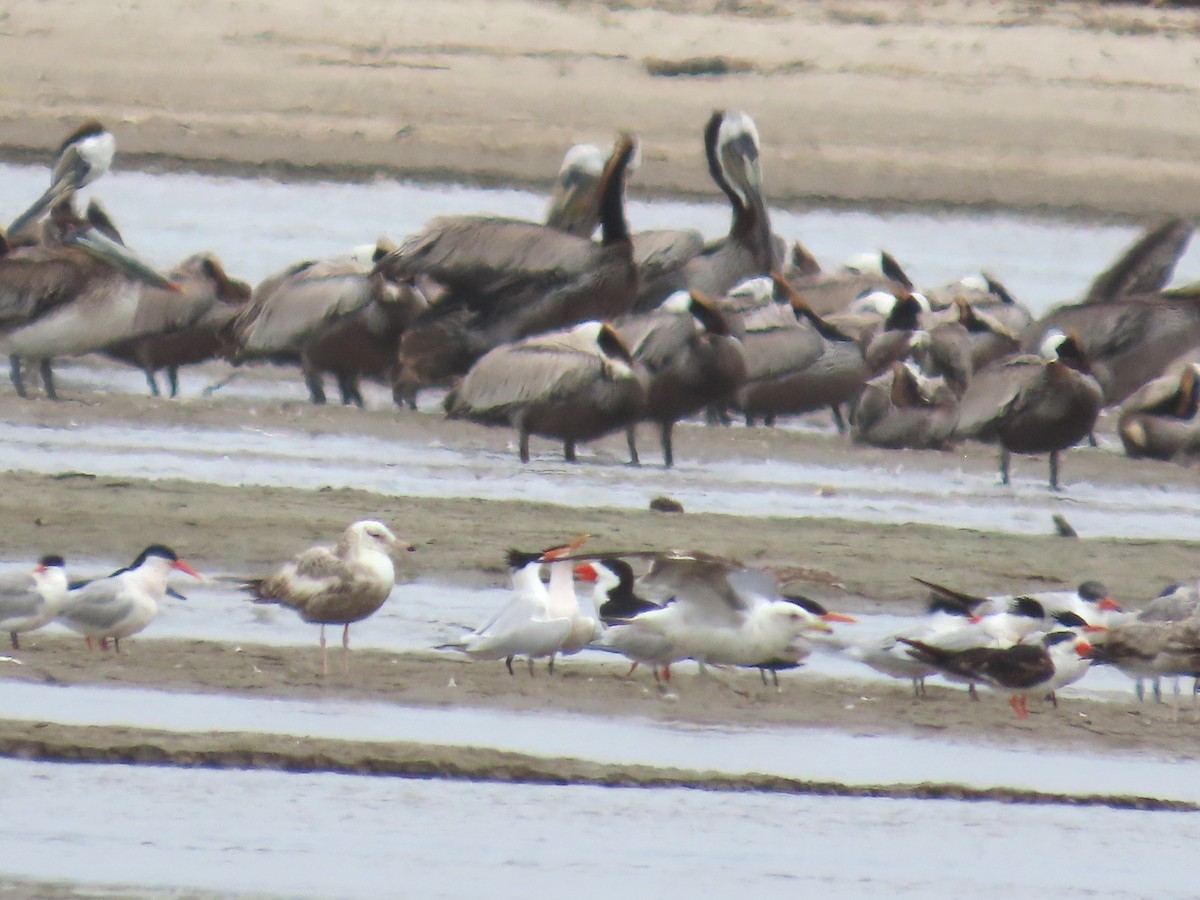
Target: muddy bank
pixel 585 685
pixel 1066 108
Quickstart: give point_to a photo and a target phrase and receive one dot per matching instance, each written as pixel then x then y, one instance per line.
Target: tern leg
pixel 633 669
pixel 324 657
pixel 14 374
pixel 1005 458
pixel 569 451
pixel 104 645
pixel 530 661
pixel 1053 698
pixel 1054 485
pixel 668 454
pixel 631 441
pixel 508 663
pixel 47 371
pixel 550 665
pixel 346 649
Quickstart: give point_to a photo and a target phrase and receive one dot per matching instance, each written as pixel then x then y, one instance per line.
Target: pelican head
pixel 84 156
pixel 737 153
pixel 575 203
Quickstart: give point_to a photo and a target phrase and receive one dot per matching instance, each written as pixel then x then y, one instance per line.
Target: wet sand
pixel 1070 108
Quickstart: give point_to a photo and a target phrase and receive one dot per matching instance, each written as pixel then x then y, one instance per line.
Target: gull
pixel 27 604
pixel 126 601
pixel 335 585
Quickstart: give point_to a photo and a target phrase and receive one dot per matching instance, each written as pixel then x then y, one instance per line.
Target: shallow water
pixel 427 468
pixel 804 753
pixel 257 227
pixel 348 836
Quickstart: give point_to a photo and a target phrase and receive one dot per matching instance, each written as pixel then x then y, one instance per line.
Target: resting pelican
pixel 507 280
pixel 574 385
pixel 1161 419
pixel 691 358
pixel 903 408
pixel 828 292
pixel 1033 404
pixel 732 147
pixel 335 315
pixel 77 292
pixel 179 329
pixel 83 157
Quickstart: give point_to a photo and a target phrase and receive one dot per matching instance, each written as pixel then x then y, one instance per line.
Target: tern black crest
pixel 53 560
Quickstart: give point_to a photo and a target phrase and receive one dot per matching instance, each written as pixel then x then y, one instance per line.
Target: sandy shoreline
pixel 1081 109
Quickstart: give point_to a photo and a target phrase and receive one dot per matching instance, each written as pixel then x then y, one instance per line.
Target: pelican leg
pixel 316 387
pixel 569 451
pixel 1005 458
pixel 1157 689
pixel 508 664
pixel 1092 442
pixel 16 644
pixel 769 420
pixel 1054 485
pixel 116 645
pixel 972 693
pixel 346 649
pixel 524 444
pixel 631 441
pixel 151 381
pixel 348 387
pixel 1053 698
pixel 668 455
pixel 173 380
pixel 1139 690
pixel 838 420
pixel 324 656
pixel 47 372
pixel 749 420
pixel 14 374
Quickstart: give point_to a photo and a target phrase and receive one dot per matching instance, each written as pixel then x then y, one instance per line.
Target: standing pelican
pixel 1033 404
pixel 732 147
pixel 574 386
pixel 507 280
pixel 178 329
pixel 691 358
pixel 334 315
pixel 77 292
pixel 83 157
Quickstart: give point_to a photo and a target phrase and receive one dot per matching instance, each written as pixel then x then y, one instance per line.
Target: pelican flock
pixel 555 331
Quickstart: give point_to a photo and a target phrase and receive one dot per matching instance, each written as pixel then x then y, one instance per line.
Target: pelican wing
pixel 515 374
pixel 655 339
pixel 206 288
pixel 285 310
pixel 661 252
pixel 994 392
pixel 484 257
pixel 36 280
pixel 1147 266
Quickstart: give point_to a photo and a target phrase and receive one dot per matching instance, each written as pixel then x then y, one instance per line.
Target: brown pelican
pixel 903 408
pixel 732 147
pixel 574 385
pixel 83 157
pixel 691 358
pixel 334 315
pixel 507 280
pixel 796 362
pixel 77 292
pixel 179 329
pixel 1033 404
pixel 1160 419
pixel 831 292
pixel 1127 342
pixel 335 585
